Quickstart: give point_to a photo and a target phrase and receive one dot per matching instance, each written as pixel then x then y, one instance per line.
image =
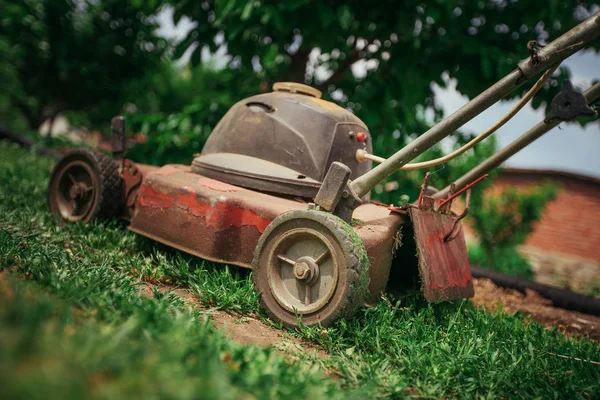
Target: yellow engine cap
pixel 294 87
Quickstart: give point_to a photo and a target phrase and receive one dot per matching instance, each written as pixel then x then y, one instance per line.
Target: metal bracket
pixel 425 202
pixel 117 140
pixel 569 104
pixel 347 204
pixel 333 185
pixel 132 178
pixel 453 233
pixel 533 46
pixel 335 194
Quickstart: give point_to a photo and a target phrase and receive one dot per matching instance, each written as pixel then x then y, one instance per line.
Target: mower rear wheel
pixel 85 185
pixel 310 265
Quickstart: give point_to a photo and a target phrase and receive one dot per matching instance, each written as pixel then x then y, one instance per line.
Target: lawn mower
pixel 282 187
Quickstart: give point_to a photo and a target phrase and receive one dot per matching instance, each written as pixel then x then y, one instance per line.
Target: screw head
pixel 301 271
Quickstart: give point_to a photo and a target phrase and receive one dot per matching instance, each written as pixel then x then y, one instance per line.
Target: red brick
pixel 570 224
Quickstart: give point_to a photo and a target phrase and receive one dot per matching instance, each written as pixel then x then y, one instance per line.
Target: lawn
pixel 73 323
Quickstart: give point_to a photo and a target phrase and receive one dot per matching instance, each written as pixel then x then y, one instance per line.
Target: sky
pixel 567 147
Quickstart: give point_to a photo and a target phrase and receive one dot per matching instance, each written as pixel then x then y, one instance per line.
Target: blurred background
pixel 173 68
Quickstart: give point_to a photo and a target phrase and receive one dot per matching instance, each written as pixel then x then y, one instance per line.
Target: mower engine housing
pixel 283 142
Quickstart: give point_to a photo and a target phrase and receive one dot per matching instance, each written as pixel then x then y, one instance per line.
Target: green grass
pixel 73 324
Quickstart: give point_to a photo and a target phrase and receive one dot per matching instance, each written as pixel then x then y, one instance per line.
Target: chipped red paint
pixel 148 197
pixel 187 199
pixel 220 216
pixel 175 207
pixel 235 216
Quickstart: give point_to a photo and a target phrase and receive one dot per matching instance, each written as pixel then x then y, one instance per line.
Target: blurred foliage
pixel 173 138
pixel 503 222
pixel 506 219
pixel 506 260
pixel 9 83
pixel 75 55
pixel 401 47
pixel 188 102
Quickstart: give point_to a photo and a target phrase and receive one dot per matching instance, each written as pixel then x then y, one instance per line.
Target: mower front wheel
pixel 85 185
pixel 310 265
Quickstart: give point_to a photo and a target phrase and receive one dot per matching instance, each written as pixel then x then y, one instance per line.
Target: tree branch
pixel 353 57
pixel 32 120
pixel 297 70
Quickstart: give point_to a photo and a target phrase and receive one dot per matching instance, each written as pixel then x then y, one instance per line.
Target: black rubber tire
pixel 108 196
pixel 352 285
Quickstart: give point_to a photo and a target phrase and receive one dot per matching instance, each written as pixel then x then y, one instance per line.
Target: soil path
pixel 569 323
pixel 248 330
pixel 244 329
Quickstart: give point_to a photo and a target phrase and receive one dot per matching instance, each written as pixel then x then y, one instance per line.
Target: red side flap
pixel 444 266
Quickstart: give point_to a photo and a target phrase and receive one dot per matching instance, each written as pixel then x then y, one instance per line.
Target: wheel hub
pixel 306 270
pixel 307 266
pixel 303 272
pixel 73 190
pixel 78 190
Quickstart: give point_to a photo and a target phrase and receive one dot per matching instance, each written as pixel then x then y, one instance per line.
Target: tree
pixel 77 55
pixel 379 58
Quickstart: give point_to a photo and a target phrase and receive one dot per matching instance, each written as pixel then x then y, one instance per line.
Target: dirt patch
pixel 569 323
pixel 243 329
pixel 249 330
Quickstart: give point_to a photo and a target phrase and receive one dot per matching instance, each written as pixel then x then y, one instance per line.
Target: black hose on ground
pixel 6 134
pixel 561 298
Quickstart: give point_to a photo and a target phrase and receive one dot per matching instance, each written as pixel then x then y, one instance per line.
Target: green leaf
pixel 345 17
pixel 269 59
pixel 486 67
pixel 325 14
pixel 226 10
pixel 247 10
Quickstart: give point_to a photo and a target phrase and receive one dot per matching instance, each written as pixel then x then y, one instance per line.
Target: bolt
pixel 301 271
pixel 76 191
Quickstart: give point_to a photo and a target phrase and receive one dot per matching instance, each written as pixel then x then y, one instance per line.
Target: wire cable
pixel 524 100
pixel 362 155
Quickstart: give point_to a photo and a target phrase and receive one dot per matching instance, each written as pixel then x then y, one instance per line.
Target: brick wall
pixel 570 223
pixel 564 247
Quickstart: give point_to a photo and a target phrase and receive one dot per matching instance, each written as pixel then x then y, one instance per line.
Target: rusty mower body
pixel 282 186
